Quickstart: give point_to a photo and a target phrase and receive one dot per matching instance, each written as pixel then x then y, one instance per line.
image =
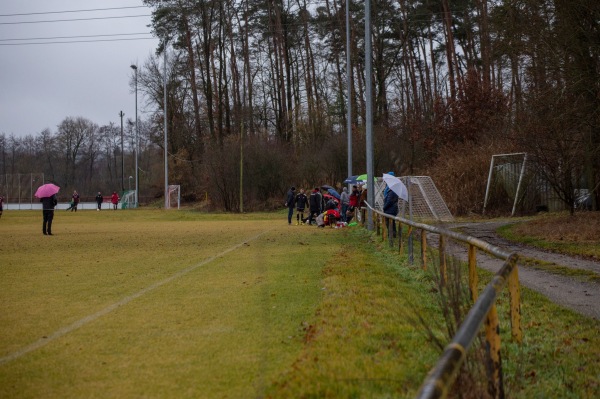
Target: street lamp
pixel 135 68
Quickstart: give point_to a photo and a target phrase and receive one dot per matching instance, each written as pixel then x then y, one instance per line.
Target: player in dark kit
pixel 301 201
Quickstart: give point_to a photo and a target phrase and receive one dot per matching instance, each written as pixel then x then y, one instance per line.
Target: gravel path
pixel 582 297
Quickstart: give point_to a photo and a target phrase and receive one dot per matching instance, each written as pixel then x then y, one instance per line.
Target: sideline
pixel 88 319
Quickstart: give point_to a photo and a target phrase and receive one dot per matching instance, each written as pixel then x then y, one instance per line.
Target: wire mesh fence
pixel 18 189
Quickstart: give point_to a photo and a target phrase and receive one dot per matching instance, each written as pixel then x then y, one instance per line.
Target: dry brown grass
pixel 582 227
pixel 578 234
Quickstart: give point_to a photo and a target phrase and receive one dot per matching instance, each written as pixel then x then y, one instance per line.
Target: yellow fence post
pixel 424 248
pixel 473 272
pixel 515 305
pixel 400 245
pixel 443 274
pixel 494 366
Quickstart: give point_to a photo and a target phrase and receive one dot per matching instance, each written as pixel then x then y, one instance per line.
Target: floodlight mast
pixel 135 149
pixel 369 114
pixel 167 202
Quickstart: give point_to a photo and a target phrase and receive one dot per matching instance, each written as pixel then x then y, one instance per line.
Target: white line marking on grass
pixel 88 319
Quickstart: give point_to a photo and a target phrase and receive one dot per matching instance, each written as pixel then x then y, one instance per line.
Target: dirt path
pixel 582 297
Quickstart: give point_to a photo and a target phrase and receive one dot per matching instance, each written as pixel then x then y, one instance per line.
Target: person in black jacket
pixel 301 201
pixel 316 204
pixel 99 199
pixel 289 202
pixel 48 204
pixel 390 207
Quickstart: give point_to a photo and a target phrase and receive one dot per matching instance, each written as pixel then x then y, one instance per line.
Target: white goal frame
pixel 174 196
pixel 426 202
pixel 499 161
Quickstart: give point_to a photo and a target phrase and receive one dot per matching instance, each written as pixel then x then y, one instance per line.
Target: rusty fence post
pixel 473 272
pixel 494 360
pixel 515 305
pixel 424 249
pixel 400 244
pixel 442 249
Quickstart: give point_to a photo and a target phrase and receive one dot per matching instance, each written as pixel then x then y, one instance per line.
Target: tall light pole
pixel 165 117
pixel 135 149
pixel 121 114
pixel 369 114
pixel 349 88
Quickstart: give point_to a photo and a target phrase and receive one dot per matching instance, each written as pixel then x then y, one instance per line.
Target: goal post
pixel 426 201
pixel 174 197
pixel 510 169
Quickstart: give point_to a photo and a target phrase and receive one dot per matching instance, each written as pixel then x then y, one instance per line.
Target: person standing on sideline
pixel 301 201
pixel 316 204
pixel 1 206
pixel 114 199
pixel 289 202
pixel 48 204
pixel 345 199
pixel 99 199
pixel 390 207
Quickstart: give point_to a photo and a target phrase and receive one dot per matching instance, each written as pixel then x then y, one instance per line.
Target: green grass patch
pixel 364 342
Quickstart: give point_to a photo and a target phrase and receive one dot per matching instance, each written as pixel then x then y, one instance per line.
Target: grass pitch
pixel 151 303
pixel 179 304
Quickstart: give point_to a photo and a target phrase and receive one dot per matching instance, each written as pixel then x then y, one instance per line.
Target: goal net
pixel 174 198
pixel 506 174
pixel 426 201
pixel 128 199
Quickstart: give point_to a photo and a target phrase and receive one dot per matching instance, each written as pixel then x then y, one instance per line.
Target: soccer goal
pixel 507 170
pixel 426 201
pixel 128 199
pixel 174 196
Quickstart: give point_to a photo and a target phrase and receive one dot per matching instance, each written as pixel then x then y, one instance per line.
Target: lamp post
pixel 165 121
pixel 135 68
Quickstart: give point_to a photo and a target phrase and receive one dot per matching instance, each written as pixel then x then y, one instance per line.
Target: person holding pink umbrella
pixel 47 195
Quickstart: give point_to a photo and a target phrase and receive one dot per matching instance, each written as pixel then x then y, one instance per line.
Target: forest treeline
pixel 257 93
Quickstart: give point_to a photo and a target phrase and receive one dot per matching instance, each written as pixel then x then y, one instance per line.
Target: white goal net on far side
pixel 174 198
pixel 427 203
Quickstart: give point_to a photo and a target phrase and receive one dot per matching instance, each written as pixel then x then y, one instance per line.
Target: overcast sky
pixel 41 84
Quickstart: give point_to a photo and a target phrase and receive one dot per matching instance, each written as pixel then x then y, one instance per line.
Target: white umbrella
pixel 396 186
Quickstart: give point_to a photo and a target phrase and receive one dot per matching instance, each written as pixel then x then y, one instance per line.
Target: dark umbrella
pixel 334 193
pixel 351 180
pixel 326 187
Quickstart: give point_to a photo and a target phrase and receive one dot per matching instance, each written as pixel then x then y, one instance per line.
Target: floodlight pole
pixel 369 115
pixel 121 114
pixel 349 89
pixel 165 118
pixel 136 146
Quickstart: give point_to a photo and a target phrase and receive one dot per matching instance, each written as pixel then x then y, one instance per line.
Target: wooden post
pixel 383 228
pixel 473 272
pixel 442 249
pixel 494 361
pixel 399 237
pixel 515 305
pixel 424 249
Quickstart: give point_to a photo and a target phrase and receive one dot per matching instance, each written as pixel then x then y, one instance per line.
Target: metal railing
pixel 483 311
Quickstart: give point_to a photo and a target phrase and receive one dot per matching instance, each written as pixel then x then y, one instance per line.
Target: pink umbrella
pixel 46 190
